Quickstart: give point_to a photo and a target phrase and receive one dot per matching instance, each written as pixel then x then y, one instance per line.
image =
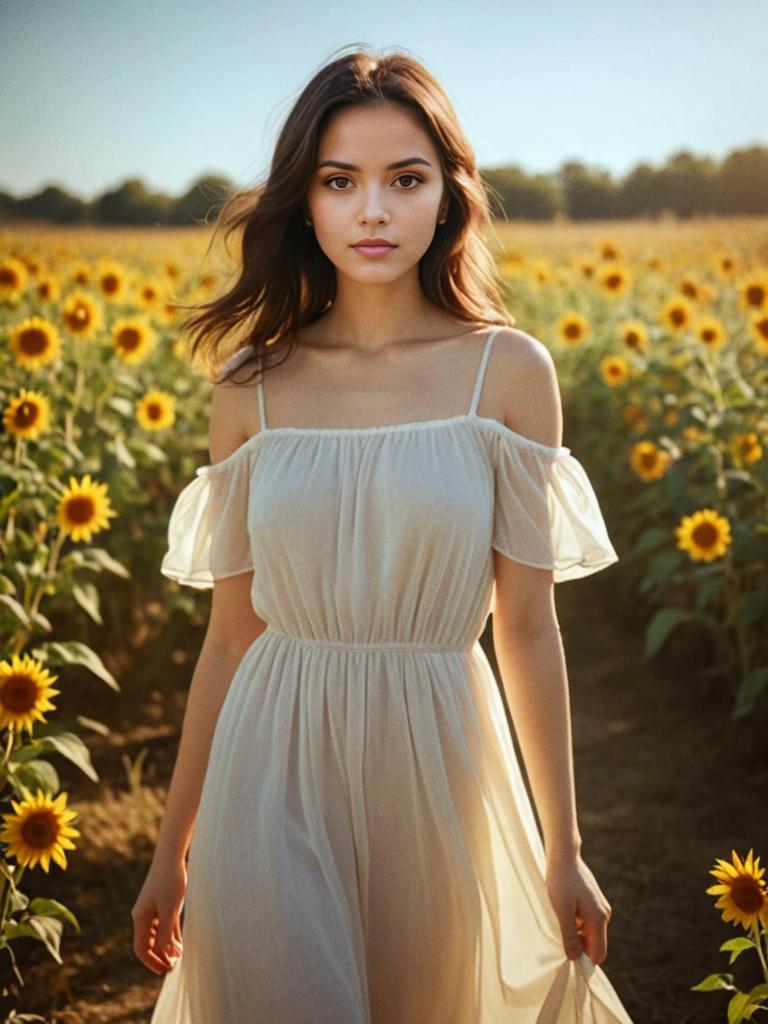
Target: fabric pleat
pixel 365 850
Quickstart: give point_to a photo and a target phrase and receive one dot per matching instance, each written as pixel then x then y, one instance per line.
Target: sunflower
pixel 84 509
pixel 725 264
pixel 705 535
pixel 677 313
pixel 208 281
pixel 27 415
pixel 655 263
pixel 614 370
pixel 743 896
pixel 512 264
pixel 156 410
pixel 746 447
pixel 633 334
pixel 758 328
pixel 81 274
pixel 753 292
pixel 614 279
pixel 586 269
pixel 540 272
pixel 691 287
pixel 13 277
pixel 38 831
pixel 609 250
pixel 150 292
pixel 35 342
pixel 572 328
pixel 112 280
pixel 82 314
pixel 710 332
pixel 32 263
pixel 48 288
pixel 635 417
pixel 25 689
pixel 648 460
pixel 133 338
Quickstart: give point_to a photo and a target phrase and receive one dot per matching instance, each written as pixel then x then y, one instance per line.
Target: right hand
pixel 156 926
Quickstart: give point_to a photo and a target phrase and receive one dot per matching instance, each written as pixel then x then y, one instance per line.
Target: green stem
pixel 759 947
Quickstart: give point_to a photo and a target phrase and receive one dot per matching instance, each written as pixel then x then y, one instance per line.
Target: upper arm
pixel 525 382
pixel 233 622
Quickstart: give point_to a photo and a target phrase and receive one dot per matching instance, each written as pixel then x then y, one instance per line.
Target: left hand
pixel 581 908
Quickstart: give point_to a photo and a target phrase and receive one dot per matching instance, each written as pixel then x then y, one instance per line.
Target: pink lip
pixel 373 250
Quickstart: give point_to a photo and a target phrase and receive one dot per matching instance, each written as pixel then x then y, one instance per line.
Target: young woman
pixel 361 846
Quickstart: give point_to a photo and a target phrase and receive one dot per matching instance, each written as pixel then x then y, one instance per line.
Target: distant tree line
pixel 686 186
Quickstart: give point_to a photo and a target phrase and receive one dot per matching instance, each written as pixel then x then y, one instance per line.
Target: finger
pixel 149 958
pixel 596 940
pixel 571 941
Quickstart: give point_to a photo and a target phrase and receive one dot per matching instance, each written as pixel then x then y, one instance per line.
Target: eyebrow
pixel 389 167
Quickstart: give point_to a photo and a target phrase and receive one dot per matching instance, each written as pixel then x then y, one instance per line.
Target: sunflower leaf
pixel 45 929
pixel 106 561
pixel 661 626
pixel 749 690
pixel 69 745
pixel 87 596
pixel 736 947
pixel 737 1008
pixel 72 652
pixel 52 908
pixel 36 773
pixel 17 608
pixel 714 982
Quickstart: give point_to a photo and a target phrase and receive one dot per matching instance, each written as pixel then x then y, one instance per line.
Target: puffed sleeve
pixel 546 512
pixel 208 535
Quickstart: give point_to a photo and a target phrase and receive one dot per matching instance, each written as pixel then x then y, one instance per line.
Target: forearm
pixel 211 678
pixel 534 676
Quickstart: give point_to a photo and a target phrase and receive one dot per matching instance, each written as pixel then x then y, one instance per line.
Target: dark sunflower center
pixel 26 414
pixel 34 340
pixel 747 895
pixel 80 510
pixel 18 693
pixel 129 338
pixel 40 830
pixel 705 535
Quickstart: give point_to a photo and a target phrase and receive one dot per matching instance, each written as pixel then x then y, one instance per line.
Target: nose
pixel 373 207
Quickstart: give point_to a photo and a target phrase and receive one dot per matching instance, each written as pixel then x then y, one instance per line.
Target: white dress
pixel 365 851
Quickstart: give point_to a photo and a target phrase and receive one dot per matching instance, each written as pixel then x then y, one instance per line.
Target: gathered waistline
pixel 411 646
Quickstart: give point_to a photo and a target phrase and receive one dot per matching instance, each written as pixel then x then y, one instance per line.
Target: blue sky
pixel 99 91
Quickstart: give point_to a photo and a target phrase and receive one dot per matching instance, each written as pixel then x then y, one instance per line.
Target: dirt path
pixel 659 799
pixel 658 802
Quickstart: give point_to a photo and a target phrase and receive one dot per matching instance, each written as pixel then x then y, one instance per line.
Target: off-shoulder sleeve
pixel 208 528
pixel 546 512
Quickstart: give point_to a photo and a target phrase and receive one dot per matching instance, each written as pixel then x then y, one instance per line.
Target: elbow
pixel 525 599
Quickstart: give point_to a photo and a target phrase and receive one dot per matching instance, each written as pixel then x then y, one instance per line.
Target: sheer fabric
pixel 365 851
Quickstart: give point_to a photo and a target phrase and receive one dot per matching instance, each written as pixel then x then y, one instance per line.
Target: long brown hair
pixel 286 281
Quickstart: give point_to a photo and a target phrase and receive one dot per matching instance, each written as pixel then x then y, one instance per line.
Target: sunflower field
pixel 660 336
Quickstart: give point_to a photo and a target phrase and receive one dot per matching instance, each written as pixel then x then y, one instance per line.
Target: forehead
pixel 375 134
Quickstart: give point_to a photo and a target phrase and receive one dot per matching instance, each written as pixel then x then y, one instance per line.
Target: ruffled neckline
pixel 390 428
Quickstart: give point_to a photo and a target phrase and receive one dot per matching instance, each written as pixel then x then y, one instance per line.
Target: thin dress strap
pixel 481 370
pixel 260 390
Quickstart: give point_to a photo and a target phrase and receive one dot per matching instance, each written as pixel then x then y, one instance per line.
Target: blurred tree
pixel 203 200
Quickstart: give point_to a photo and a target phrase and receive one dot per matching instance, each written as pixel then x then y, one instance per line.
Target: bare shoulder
pixel 526 387
pixel 227 418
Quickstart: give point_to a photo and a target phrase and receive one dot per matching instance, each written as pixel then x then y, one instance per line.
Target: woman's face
pixel 356 194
